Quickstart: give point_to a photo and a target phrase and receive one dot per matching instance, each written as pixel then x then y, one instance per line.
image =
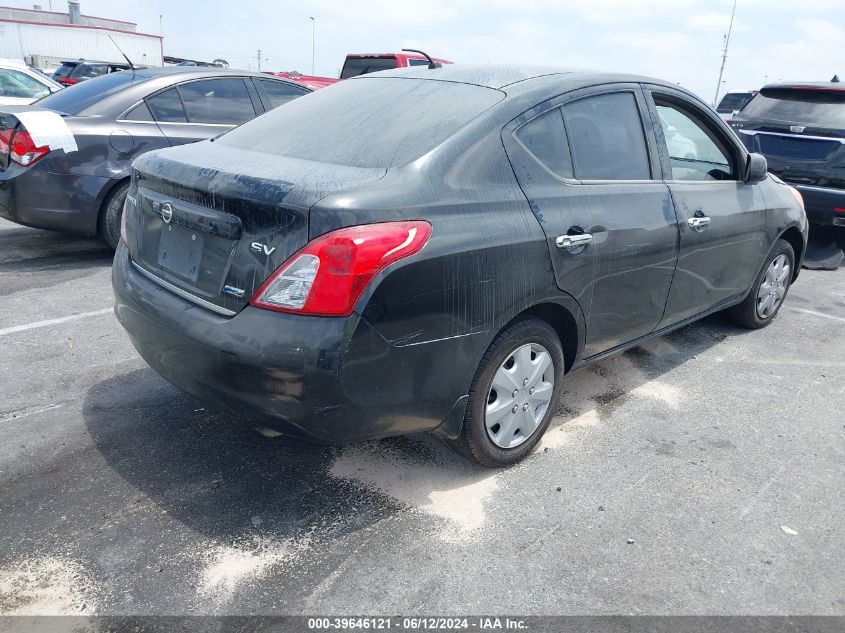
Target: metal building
pixel 43 39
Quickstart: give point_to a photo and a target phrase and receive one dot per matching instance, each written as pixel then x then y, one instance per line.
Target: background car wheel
pixel 513 395
pixel 109 220
pixel 769 290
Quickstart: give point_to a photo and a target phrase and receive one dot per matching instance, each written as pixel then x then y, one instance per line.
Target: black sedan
pixel 434 249
pixel 109 121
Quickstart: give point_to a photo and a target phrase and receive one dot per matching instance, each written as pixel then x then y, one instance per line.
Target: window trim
pixel 519 142
pixel 712 122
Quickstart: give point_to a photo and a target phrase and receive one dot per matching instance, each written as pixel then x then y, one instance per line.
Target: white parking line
pixel 818 314
pixel 65 319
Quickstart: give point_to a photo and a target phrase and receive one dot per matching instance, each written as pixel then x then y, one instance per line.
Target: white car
pixel 20 85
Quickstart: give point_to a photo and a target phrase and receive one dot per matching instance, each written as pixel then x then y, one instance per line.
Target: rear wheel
pixel 514 394
pixel 769 290
pixel 110 215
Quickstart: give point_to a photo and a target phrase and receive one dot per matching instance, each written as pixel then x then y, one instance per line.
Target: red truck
pixel 361 64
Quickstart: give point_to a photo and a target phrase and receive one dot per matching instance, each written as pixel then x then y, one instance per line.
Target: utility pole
pixel 313 38
pixel 258 59
pixel 724 56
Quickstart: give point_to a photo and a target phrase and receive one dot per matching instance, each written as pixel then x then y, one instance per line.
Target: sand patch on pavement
pixel 46 585
pixel 438 482
pixel 227 567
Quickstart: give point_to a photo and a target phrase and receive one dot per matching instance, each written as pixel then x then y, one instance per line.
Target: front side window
pixel 545 139
pixel 221 101
pixel 607 138
pixel 695 152
pixel 166 107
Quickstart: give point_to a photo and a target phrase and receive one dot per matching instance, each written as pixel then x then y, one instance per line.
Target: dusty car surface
pixel 434 249
pixel 111 120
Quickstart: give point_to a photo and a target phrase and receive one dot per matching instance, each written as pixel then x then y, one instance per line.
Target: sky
pixel 675 40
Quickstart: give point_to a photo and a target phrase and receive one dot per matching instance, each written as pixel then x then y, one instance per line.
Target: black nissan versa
pixel 800 128
pixel 114 119
pixel 433 249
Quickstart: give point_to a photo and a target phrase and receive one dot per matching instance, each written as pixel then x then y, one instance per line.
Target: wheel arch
pixel 565 323
pixel 795 238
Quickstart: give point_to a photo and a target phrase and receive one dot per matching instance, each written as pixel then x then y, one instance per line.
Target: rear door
pixel 721 218
pixel 201 109
pixel 608 217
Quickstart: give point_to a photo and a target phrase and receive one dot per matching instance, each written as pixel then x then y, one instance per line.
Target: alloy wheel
pixel 773 287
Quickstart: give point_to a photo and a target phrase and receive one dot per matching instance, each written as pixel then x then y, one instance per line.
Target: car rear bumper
pixel 62 202
pixel 330 379
pixel 823 205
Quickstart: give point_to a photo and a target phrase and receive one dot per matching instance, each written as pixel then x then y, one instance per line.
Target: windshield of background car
pixel 361 66
pixel 74 99
pixel 822 108
pixel 734 101
pixel 372 122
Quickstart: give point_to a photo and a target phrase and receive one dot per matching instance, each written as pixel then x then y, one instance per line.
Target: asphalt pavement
pixel 702 473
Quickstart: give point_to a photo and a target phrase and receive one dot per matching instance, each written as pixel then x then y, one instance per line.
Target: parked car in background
pixel 21 85
pixel 800 128
pixel 733 101
pixel 363 63
pixel 434 249
pixel 312 81
pixel 72 72
pixel 113 120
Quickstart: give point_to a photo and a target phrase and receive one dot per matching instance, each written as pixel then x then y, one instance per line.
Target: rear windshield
pixel 822 108
pixel 354 66
pixel 64 70
pixel 74 99
pixel 373 122
pixel 734 101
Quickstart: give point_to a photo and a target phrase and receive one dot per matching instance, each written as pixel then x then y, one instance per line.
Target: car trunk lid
pixel 199 225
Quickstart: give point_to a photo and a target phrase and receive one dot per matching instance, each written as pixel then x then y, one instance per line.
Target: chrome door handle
pixel 573 242
pixel 699 224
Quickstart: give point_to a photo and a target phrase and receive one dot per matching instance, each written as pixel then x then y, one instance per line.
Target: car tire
pixel 110 215
pixel 514 358
pixel 769 291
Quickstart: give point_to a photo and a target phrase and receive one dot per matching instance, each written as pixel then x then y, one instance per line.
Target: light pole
pixel 724 56
pixel 313 38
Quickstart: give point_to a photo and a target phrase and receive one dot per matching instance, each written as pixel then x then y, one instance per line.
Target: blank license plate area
pixel 180 251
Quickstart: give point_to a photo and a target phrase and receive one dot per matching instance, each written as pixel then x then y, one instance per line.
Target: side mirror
pixel 756 168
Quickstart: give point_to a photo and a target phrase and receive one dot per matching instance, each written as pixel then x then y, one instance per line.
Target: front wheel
pixel 769 290
pixel 514 394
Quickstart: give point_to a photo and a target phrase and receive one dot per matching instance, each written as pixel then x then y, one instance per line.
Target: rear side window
pixel 817 107
pixel 166 107
pixel 545 138
pixel 275 93
pixel 354 67
pixel 139 113
pixel 223 101
pixel 607 138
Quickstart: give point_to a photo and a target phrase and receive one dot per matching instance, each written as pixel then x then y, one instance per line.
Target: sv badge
pixel 259 248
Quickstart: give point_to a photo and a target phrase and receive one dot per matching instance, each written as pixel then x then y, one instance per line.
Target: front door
pixel 721 218
pixel 589 168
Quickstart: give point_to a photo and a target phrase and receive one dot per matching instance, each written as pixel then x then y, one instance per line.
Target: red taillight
pixel 24 152
pixel 68 81
pixel 328 275
pixel 839 209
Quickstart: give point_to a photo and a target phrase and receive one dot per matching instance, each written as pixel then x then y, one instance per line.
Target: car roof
pixel 502 76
